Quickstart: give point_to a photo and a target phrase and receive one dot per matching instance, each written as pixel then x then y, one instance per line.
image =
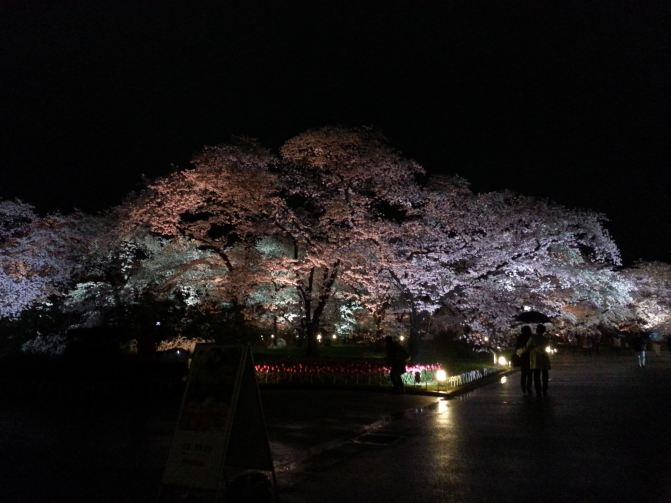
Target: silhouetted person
pixel 617 343
pixel 638 344
pixel 539 360
pixel 520 349
pixel 396 358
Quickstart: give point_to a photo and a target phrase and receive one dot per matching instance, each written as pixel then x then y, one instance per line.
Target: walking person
pixel 520 349
pixel 396 357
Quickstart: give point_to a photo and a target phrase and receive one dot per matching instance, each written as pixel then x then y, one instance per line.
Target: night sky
pixel 568 99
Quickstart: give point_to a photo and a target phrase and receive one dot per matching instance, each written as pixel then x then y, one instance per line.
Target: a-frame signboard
pixel 221 430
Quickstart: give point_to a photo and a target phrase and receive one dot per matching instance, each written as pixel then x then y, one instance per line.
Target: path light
pixel 334 337
pixel 402 338
pixel 441 377
pixel 550 350
pixel 319 337
pixel 502 360
pixel 504 379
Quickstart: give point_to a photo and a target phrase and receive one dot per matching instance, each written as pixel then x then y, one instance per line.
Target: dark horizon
pixel 568 102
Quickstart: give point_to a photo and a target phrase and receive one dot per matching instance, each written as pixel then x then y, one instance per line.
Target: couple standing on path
pixel 534 359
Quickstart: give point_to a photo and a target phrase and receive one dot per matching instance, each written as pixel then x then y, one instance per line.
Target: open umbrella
pixel 532 317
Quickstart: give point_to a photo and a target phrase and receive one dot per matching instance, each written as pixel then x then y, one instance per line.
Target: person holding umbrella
pixel 539 360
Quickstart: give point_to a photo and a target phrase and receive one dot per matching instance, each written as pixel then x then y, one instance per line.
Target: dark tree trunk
pixel 413 342
pixel 414 339
pixel 314 308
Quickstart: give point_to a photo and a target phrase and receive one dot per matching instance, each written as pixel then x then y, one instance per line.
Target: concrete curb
pixel 461 390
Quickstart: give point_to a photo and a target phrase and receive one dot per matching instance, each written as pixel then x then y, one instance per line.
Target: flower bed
pixel 366 373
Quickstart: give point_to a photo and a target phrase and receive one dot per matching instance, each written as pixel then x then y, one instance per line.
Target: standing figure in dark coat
pixel 396 358
pixel 539 360
pixel 639 344
pixel 520 348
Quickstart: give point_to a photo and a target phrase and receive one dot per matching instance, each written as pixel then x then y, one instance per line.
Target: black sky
pixel 568 100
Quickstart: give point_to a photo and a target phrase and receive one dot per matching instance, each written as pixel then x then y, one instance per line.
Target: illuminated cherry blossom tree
pixel 357 221
pixel 490 254
pixel 536 254
pixel 40 255
pixel 652 294
pixel 348 189
pixel 338 223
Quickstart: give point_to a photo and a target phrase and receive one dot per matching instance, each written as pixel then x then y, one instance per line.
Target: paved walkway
pixel 604 434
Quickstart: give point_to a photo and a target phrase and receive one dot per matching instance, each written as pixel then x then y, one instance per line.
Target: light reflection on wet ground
pixel 602 435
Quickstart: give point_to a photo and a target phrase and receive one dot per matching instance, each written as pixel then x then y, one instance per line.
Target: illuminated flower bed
pixel 368 373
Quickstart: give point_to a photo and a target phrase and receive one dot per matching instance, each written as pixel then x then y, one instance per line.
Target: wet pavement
pixel 602 435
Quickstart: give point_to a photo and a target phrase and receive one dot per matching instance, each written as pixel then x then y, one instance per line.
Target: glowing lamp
pixel 334 337
pixel 441 375
pixel 402 338
pixel 319 337
pixel 502 360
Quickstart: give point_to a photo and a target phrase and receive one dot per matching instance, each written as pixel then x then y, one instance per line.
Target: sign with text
pixel 221 421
